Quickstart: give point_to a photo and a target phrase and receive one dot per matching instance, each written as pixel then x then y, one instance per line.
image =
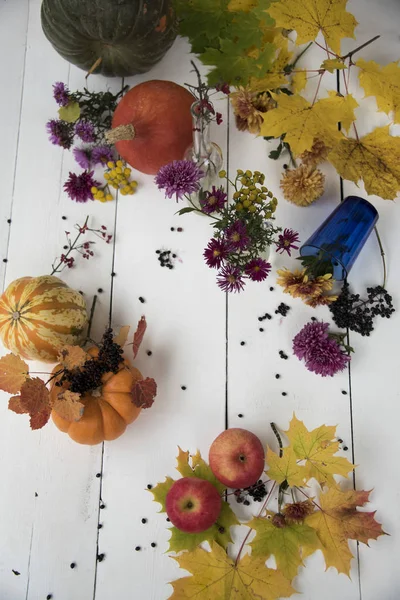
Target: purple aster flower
pixel 257 269
pixel 286 241
pixel 215 253
pixel 314 334
pixel 236 236
pixel 213 201
pixel 78 187
pixel 82 156
pixel 60 133
pixel 61 93
pixel 327 359
pixel 85 131
pixel 230 279
pixel 179 177
pixel 101 155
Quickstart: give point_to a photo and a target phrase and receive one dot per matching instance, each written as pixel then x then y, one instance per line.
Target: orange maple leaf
pixel 13 373
pixel 34 400
pixel 72 357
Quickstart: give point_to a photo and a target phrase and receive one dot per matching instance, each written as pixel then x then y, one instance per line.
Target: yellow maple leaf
pixel 338 521
pixel 309 17
pixel 215 577
pixel 317 449
pixel 285 467
pixel 331 64
pixel 302 121
pixel 299 81
pixel 284 540
pixel 244 5
pixel 374 159
pixel 341 107
pixel 383 83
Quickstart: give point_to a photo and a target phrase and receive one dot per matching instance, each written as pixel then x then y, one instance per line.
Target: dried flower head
pixel 179 177
pixel 298 511
pixel 302 185
pixel 320 301
pixel 248 116
pixel 318 154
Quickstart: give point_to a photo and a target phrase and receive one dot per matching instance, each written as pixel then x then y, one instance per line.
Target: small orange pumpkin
pixel 108 410
pixel 39 315
pixel 152 125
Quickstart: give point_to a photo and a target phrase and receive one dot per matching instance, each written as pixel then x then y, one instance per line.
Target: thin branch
pixel 90 323
pixel 378 237
pixel 350 54
pixel 71 248
pixel 250 530
pixel 308 497
pixel 347 92
pixel 325 49
pixel 278 437
pixel 317 90
pixel 298 57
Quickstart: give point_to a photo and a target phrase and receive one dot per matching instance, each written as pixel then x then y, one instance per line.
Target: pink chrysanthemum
pixel 236 236
pixel 82 157
pixel 257 269
pixel 286 241
pixel 214 200
pixel 78 187
pixel 230 279
pixel 60 93
pixel 85 131
pixel 215 253
pixel 179 177
pixel 322 354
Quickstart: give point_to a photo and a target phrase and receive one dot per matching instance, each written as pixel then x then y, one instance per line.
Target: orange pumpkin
pixel 108 410
pixel 38 315
pixel 152 125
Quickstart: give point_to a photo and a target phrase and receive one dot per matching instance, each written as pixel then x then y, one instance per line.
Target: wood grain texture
pixel 51 497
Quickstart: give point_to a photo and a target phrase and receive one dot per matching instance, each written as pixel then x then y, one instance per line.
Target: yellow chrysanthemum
pixel 302 185
pixel 316 155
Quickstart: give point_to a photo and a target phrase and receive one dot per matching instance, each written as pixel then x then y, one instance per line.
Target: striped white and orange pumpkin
pixel 38 315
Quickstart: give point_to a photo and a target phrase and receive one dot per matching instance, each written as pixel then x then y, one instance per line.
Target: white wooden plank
pixel 374 373
pixel 257 375
pixel 43 535
pixel 13 30
pixel 186 334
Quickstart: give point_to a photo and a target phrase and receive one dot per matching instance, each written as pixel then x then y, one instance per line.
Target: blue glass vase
pixel 342 235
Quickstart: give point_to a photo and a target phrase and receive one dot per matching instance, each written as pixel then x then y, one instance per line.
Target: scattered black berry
pixel 100 557
pixel 98 474
pixel 267 316
pixel 313 318
pixel 285 166
pixel 242 343
pixel 141 299
pixel 271 289
pixel 240 415
pixel 158 251
pixel 144 521
pixel 283 355
pixel 277 376
pixel 113 274
pixel 344 392
pixel 99 526
pixel 64 218
pixel 180 229
pixel 345 448
pixel 284 393
pixel 221 529
pixel 102 506
pixel 153 544
pixel 172 228
pixel 246 503
pixel 149 353
pixel 183 387
pixel 72 565
pixel 340 441
pixel 9 221
pixel 174 256
pixel 165 258
pixel 350 311
pixel 282 309
pixel 138 548
pixel 261 329
pixel 5 260
pixel 49 596
pixel 16 572
pixel 167 519
pixel 149 486
pixel 261 318
pixel 36 494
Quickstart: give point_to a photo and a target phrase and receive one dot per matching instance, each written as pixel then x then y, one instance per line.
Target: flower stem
pixel 350 54
pixel 298 57
pixel 378 237
pixel 250 530
pixel 71 248
pixel 90 323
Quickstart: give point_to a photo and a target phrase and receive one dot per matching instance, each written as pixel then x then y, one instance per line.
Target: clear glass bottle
pixel 206 154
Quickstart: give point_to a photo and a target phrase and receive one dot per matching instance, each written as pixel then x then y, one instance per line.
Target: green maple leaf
pixel 220 531
pixel 232 65
pixel 285 543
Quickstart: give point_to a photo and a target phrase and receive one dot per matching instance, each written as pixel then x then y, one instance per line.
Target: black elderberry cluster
pixel 282 309
pixel 257 492
pixel 352 312
pixel 89 375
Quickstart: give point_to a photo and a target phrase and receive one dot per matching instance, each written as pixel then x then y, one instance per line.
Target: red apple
pixel 237 458
pixel 193 504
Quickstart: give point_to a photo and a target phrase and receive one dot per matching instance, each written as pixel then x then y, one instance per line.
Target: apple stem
pixel 250 529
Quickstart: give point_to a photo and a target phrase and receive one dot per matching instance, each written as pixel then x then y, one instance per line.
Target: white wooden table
pixel 50 495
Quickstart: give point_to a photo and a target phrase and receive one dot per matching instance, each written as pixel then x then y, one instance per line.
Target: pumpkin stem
pixel 94 67
pixel 120 133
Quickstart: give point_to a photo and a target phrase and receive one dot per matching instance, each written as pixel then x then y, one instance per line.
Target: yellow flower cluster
pixel 118 177
pixel 253 194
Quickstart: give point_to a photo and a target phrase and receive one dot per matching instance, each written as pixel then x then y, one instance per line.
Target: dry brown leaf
pixel 68 406
pixel 13 373
pixel 14 404
pixel 138 337
pixel 122 336
pixel 144 392
pixel 34 399
pixel 72 357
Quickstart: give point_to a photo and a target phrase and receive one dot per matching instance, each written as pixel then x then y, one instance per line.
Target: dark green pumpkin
pixel 129 36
